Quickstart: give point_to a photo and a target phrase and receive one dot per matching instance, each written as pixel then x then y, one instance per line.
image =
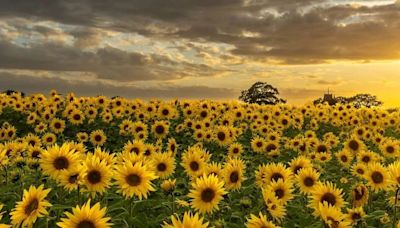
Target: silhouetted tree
pixel 261 93
pixel 10 92
pixel 358 101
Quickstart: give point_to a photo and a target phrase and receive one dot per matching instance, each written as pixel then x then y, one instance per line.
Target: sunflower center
pixel 86 224
pixel 32 206
pixel 207 195
pixel 165 112
pixel 390 149
pixel 194 166
pixel 297 169
pixel 221 136
pixel 358 194
pixel 97 138
pixel 360 171
pixel 366 159
pixel 276 176
pixel 133 179
pixel 235 150
pixel 135 150
pixel 309 181
pixel 72 179
pixel 161 167
pixel 234 177
pixel 343 158
pixel 172 147
pixel 94 177
pixel 270 147
pixel 61 163
pixel 353 145
pixel 57 125
pixel 377 177
pixel 355 216
pixel 321 148
pixel 259 144
pixel 279 193
pixel 77 117
pixel 35 154
pixel 329 198
pixel 159 129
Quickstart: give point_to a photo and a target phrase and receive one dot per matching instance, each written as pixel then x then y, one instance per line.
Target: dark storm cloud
pixel 34 84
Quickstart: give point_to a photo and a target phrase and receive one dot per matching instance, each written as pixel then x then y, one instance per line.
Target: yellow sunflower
pixel 97 176
pixel 189 220
pixel 259 222
pixel 378 177
pixel 56 159
pixel 326 193
pixel 32 206
pixel 233 174
pixel 281 190
pixel 164 164
pixel 332 216
pixel 98 138
pixel 86 216
pixel 135 179
pixel 160 129
pixel 359 195
pixel 207 192
pixel 307 179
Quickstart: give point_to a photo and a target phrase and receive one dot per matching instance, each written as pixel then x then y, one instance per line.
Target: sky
pixel 193 49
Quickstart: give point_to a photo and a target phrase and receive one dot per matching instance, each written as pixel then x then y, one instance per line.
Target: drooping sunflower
pixel 86 216
pixel 163 164
pixel 354 215
pixel 260 221
pixel 135 179
pixel 32 206
pixel 56 159
pixel 359 195
pixel 326 193
pixel 233 174
pixel 206 193
pixel 307 179
pixel 378 177
pixel 189 220
pixel 97 176
pixel 97 137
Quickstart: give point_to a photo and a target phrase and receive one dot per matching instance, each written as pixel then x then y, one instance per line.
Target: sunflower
pixel 299 163
pixel 136 146
pixel 164 164
pixel 49 138
pixel 233 174
pixel 57 125
pixel 56 159
pixel 34 152
pixel 281 190
pixel 193 163
pixel 76 117
pixel 359 195
pixel 307 179
pixel 222 135
pixel 82 136
pixel 378 177
pixel 207 192
pixel 71 179
pixel 258 144
pixel 276 171
pixel 276 210
pixel 354 145
pixel 235 149
pixel 359 169
pixel 135 179
pixel 32 140
pixel 355 215
pixel 332 216
pixel 86 216
pixel 32 206
pixel 345 157
pixel 189 220
pixel 160 129
pixel 259 222
pixel 214 168
pixel 97 176
pixel 367 157
pixel 172 146
pixel 326 193
pixel 98 138
pixel 394 170
pixel 389 148
pixel 168 185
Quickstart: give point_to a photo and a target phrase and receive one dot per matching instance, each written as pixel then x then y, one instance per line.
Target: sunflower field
pixel 94 162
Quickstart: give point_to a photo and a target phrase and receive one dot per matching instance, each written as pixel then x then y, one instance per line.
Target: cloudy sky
pixel 201 48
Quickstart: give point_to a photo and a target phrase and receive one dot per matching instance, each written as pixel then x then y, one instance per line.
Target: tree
pixel 358 101
pixel 261 93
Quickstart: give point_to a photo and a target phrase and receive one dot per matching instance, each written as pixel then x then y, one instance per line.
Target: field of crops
pixel 68 161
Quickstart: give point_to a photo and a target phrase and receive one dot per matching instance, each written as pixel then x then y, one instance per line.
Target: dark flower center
pixel 133 179
pixel 161 167
pixel 207 195
pixel 86 224
pixel 234 177
pixel 31 207
pixel 94 177
pixel 61 163
pixel 329 198
pixel 308 181
pixel 194 166
pixel 377 177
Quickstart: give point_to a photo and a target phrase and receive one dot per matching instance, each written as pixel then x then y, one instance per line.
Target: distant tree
pixel 10 92
pixel 358 101
pixel 261 93
pixel 365 100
